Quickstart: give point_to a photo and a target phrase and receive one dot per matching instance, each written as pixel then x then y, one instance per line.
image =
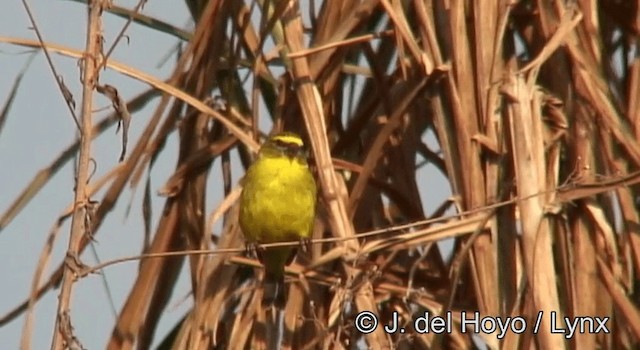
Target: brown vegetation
pixel 533 105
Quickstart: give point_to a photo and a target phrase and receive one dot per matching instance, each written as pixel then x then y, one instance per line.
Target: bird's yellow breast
pixel 278 200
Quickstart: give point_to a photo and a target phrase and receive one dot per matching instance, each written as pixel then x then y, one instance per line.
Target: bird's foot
pixel 254 250
pixel 305 245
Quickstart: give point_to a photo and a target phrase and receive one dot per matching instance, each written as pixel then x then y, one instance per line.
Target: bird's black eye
pixel 288 147
pixel 282 144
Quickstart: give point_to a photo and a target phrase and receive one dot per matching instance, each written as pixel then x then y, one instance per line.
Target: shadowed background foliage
pixel 527 108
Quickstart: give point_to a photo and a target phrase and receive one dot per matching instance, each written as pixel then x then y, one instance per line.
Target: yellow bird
pixel 278 204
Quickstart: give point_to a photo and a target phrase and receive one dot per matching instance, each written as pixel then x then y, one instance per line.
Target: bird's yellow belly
pixel 279 207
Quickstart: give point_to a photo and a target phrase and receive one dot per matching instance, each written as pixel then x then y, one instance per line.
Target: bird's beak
pixel 292 152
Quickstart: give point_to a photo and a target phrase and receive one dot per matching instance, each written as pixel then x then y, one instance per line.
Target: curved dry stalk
pixel 44 175
pixel 151 80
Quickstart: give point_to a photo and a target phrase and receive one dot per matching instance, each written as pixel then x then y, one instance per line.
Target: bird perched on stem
pixel 277 204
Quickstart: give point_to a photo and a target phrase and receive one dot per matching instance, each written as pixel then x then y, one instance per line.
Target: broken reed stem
pixel 62 335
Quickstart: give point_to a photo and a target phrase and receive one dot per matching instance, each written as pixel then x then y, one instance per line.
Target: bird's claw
pixel 305 245
pixel 254 250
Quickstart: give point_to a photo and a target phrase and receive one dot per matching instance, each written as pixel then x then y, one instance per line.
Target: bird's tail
pixel 274 290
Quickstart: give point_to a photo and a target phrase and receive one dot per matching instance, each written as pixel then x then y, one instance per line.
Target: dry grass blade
pixel 151 80
pixel 627 308
pixel 44 175
pixel 148 21
pixel 527 111
pixel 129 321
pixel 6 107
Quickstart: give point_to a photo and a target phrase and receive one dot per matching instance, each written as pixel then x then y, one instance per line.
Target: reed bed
pixel 528 109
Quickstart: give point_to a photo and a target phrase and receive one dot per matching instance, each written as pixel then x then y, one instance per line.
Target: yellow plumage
pixel 277 205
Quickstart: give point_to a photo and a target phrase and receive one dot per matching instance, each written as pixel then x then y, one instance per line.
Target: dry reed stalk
pixel 63 336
